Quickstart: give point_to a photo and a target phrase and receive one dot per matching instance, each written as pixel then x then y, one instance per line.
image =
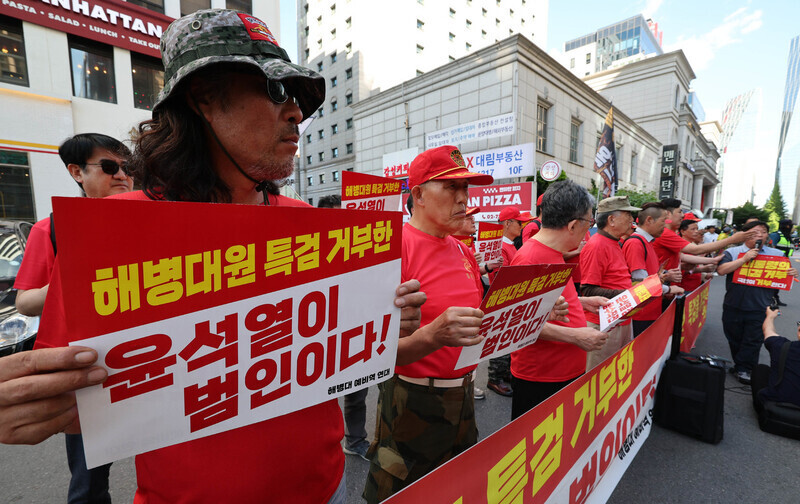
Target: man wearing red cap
pixel 535 224
pixel 426 411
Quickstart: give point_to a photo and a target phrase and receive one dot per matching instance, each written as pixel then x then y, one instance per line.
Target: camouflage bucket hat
pixel 214 36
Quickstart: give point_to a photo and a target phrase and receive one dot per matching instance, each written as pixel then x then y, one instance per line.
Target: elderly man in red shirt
pixel 426 411
pixel 604 271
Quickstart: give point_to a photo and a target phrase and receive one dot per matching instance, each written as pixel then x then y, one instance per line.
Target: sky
pixel 732 45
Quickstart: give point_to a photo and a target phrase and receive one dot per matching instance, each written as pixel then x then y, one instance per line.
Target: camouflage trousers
pixel 500 369
pixel 418 429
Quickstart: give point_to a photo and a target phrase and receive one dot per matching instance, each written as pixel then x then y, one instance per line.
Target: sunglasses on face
pixel 110 167
pixel 277 92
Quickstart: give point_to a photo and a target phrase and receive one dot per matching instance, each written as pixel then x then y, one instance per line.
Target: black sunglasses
pixel 277 92
pixel 110 167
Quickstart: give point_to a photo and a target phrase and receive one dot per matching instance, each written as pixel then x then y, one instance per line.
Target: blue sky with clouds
pixel 733 46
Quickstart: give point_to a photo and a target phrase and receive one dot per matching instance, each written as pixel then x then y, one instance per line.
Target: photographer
pixel 765 378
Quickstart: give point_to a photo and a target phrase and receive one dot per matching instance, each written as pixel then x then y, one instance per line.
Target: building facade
pixel 69 67
pixel 742 160
pixel 551 108
pixel 787 163
pixel 655 93
pixel 617 44
pixel 359 56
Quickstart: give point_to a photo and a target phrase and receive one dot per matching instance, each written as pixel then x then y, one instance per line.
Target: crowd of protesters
pixel 225 130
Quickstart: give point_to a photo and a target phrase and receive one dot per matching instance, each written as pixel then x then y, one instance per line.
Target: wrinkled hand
pixel 37 388
pixel 717 259
pixel 592 304
pixel 410 299
pixel 497 263
pixel 478 257
pixel 673 275
pixel 589 339
pixel 457 326
pixel 560 310
pixel 674 290
pixel 792 272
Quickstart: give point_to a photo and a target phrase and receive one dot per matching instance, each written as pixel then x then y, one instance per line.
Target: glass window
pixel 321 134
pixel 16 196
pixel 348 98
pixel 320 112
pixel 588 57
pixel 148 80
pixel 333 58
pixel 574 133
pixel 468 46
pixel 333 9
pixel 349 148
pixel 334 106
pixel 348 22
pixel 310 180
pixel 92 70
pixel 420 48
pixel 334 129
pixel 420 24
pixel 311 201
pixel 335 152
pixel 306 53
pixel 469 24
pixel 309 159
pixel 241 5
pixel 349 124
pixel 483 12
pixel 13 64
pixel 335 175
pixel 541 127
pixel 334 81
pixel 321 156
pixel 634 167
pixel 190 6
pixel 572 62
pixel 333 33
pixel 452 37
pixel 321 178
pixel 452 13
pixel 483 33
pixel 153 5
pixel 308 138
pixel 348 74
pixel 306 30
pixel 348 48
pixel 320 66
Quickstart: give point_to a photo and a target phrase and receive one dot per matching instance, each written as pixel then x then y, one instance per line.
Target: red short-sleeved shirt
pixel 668 247
pixel 530 230
pixel 248 464
pixel 690 281
pixel 447 272
pixel 640 255
pixel 39 258
pixel 603 265
pixel 550 361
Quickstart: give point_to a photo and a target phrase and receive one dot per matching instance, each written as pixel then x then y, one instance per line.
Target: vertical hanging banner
pixel 694 316
pixel 361 191
pixel 669 159
pixel 574 447
pixel 623 306
pixel 224 316
pixel 490 241
pixel 516 307
pixel 605 161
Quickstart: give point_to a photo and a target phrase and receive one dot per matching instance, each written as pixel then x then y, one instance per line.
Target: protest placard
pixel 494 198
pixel 766 271
pixel 361 191
pixel 622 306
pixel 489 242
pixel 224 315
pixel 695 307
pixel 515 309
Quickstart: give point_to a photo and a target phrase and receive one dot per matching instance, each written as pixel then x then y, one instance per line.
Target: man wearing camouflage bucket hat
pixel 225 127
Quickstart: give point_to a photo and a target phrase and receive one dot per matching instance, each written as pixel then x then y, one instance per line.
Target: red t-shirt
pixel 446 269
pixel 298 454
pixel 603 265
pixel 530 230
pixel 640 255
pixel 668 247
pixel 550 361
pixel 690 281
pixel 37 263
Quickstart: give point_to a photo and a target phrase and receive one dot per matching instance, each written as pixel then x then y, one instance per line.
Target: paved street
pixel 747 466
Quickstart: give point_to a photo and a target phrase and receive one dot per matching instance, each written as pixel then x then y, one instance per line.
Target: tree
pixel 638 198
pixel 542 184
pixel 775 207
pixel 744 212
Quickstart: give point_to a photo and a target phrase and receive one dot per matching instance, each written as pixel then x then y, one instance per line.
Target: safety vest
pixel 785 245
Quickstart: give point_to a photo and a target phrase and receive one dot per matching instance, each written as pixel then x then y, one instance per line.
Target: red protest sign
pixel 695 307
pixel 516 307
pixel 575 445
pixel 205 331
pixel 469 241
pixel 361 191
pixel 489 241
pixel 626 304
pixel 771 272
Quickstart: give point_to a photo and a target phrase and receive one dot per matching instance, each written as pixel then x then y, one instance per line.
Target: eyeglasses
pixel 277 92
pixel 110 167
pixel 591 221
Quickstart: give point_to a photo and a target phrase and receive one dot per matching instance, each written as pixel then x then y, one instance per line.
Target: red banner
pixel 766 271
pixel 695 307
pixel 575 445
pixel 490 241
pixel 112 22
pixel 626 304
pixel 492 199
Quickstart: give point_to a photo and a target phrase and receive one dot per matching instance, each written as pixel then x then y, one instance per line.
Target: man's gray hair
pixel 563 202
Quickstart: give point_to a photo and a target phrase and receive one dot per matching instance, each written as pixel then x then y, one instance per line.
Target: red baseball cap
pixel 513 212
pixel 443 163
pixel 690 216
pixel 473 210
pixel 539 200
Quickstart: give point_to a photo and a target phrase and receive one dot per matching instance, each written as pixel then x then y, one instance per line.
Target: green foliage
pixel 594 190
pixel 638 198
pixel 744 212
pixel 775 207
pixel 542 184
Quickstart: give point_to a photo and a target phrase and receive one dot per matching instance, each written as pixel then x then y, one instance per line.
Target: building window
pixel 349 169
pixel 468 46
pixel 319 44
pixel 92 70
pixel 542 111
pixel 452 13
pixel 307 53
pixel 321 134
pixel 305 8
pixel 335 152
pixel 483 34
pixel 334 82
pixel 321 156
pixel 335 175
pixel 153 5
pixel 348 74
pixel 469 24
pixel 321 178
pixel 511 12
pixel 320 112
pixel 306 31
pixel 319 20
pixel 334 129
pixel 15 186
pixel 420 24
pixel 310 180
pixel 333 9
pixel 574 140
pixel 634 167
pixel 497 22
pixel 333 58
pixel 311 201
pixel 148 80
pixel 348 124
pixel 419 72
pixel 308 138
pixel 677 95
pixel 333 33
pixel 588 57
pixel 348 98
pixel 309 159
pixel 319 66
pixel 13 64
pixel 572 62
pixel 452 37
pixel 348 22
pixel 452 58
pixel 190 6
pixel 334 106
pixel 349 148
pixel 483 12
pixel 348 48
pixel 420 49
